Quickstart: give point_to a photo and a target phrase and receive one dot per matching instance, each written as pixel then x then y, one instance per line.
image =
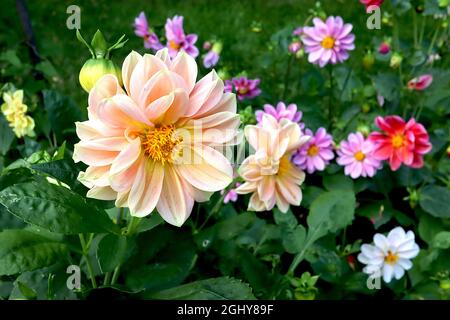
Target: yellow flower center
pixel 174 45
pixel 243 90
pixel 360 156
pixel 391 258
pixel 398 141
pixel 313 150
pixel 328 42
pixel 158 143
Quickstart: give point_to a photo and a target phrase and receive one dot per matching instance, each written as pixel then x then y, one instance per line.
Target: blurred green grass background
pixel 228 21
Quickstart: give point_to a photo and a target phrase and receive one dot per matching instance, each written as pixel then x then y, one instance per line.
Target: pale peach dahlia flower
pixel 154 144
pixel 269 173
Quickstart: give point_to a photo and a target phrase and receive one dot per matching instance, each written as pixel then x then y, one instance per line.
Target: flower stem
pixel 330 95
pixel 85 249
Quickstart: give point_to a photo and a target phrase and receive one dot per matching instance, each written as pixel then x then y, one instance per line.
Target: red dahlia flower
pixel 369 3
pixel 400 142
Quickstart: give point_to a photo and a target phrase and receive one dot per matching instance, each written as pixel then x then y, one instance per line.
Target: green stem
pixel 85 250
pixel 115 275
pixel 216 208
pixel 299 257
pixel 287 76
pixel 330 100
pixel 433 40
pixel 107 278
pixel 415 29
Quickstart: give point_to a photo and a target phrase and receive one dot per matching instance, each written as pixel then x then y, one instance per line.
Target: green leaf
pixel 338 182
pixel 27 292
pixel 330 212
pixel 429 227
pixel 62 112
pixel 22 250
pixel 99 45
pixel 442 240
pixel 294 240
pixel 111 252
pixel 150 223
pixel 55 208
pixel 211 289
pixel 6 135
pixel 434 200
pixel 285 220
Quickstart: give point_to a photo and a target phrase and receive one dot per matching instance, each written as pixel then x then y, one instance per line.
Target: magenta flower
pixel 328 42
pixel 177 40
pixel 281 111
pixel 420 83
pixel 142 29
pixel 245 88
pixel 384 48
pixel 316 153
pixel 357 156
pixel 231 195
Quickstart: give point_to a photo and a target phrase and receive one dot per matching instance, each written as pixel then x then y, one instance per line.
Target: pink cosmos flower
pixel 152 145
pixel 177 40
pixel 420 83
pixel 400 142
pixel 384 48
pixel 231 195
pixel 329 41
pixel 245 88
pixel 317 153
pixel 269 174
pixel 142 29
pixel 356 155
pixel 281 111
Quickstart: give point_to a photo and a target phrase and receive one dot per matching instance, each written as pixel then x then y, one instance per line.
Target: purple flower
pixel 329 41
pixel 297 31
pixel 244 88
pixel 356 155
pixel 142 29
pixel 316 153
pixel 281 111
pixel 231 195
pixel 210 59
pixel 177 40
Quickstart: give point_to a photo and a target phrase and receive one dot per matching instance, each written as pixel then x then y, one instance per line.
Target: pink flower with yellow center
pixel 152 145
pixel 356 155
pixel 328 41
pixel 269 174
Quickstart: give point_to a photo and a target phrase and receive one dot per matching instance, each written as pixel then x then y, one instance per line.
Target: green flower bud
pixel 364 129
pixel 368 60
pixel 445 284
pixel 100 64
pixel 365 108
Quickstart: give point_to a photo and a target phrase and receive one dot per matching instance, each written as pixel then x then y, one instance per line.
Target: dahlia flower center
pixel 313 150
pixel 243 90
pixel 398 141
pixel 174 45
pixel 158 143
pixel 328 42
pixel 391 258
pixel 359 156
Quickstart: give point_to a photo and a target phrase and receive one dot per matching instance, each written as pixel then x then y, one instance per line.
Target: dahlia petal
pixel 128 66
pixel 102 193
pixel 186 67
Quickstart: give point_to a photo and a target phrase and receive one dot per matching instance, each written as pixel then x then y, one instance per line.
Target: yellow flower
pixel 15 113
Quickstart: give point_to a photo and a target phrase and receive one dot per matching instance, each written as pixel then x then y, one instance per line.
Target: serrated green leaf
pixel 55 208
pixel 434 200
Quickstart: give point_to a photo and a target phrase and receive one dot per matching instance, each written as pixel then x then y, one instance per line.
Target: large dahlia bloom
pixel 269 173
pixel 152 145
pixel 400 142
pixel 328 41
